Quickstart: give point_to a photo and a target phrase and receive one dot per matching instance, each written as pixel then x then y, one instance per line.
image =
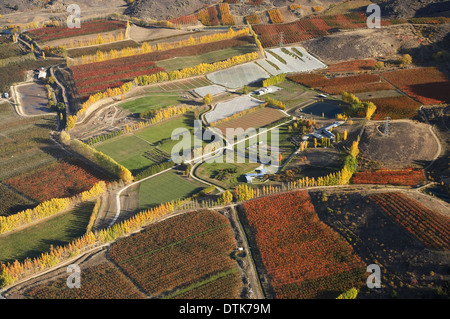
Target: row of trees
pixel 257 42
pixel 48 208
pixel 274 80
pixel 100 39
pixel 97 157
pixel 93 215
pixel 275 103
pixel 163 46
pixel 358 107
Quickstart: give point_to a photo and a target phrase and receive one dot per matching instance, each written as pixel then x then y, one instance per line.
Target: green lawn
pixel 152 102
pixel 165 188
pixel 161 133
pixel 129 149
pixel 207 171
pixel 34 240
pixel 210 57
pixel 290 95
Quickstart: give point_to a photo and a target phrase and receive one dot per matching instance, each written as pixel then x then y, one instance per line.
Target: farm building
pixel 42 73
pixel 264 91
pixel 260 172
pixel 325 132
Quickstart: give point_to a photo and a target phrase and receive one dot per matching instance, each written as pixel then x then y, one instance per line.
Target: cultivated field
pixel 299 255
pixel 50 34
pixel 61 179
pixel 336 85
pixel 256 119
pixel 130 149
pixel 428 85
pixel 405 177
pixel 431 228
pixel 408 270
pixel 181 254
pixel 352 66
pixel 25 143
pixel 308 28
pixel 397 107
pixel 102 281
pixel 165 188
pixel 12 201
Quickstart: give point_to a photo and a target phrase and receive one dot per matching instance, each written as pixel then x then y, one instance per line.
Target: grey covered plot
pixel 212 89
pixel 226 109
pixel 238 76
pixel 303 62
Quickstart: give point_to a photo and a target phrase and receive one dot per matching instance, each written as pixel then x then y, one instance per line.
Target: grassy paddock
pixel 36 239
pixel 152 102
pixel 210 57
pixel 165 188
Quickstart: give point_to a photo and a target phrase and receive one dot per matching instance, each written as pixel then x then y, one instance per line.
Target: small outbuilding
pixel 42 73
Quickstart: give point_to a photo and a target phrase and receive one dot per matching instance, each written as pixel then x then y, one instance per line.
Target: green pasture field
pixel 206 172
pixel 128 149
pixel 36 239
pixel 78 52
pixel 152 102
pixel 180 86
pixel 210 57
pixel 166 187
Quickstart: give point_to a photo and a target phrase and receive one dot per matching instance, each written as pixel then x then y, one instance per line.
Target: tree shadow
pixel 433 9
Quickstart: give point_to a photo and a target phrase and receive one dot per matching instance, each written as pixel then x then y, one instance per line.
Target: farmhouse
pixel 42 73
pixel 325 132
pixel 264 91
pixel 261 171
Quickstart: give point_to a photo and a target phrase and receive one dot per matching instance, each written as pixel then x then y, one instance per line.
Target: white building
pixel 42 73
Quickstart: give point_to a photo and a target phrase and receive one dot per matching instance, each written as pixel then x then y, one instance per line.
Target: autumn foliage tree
pixel 207 99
